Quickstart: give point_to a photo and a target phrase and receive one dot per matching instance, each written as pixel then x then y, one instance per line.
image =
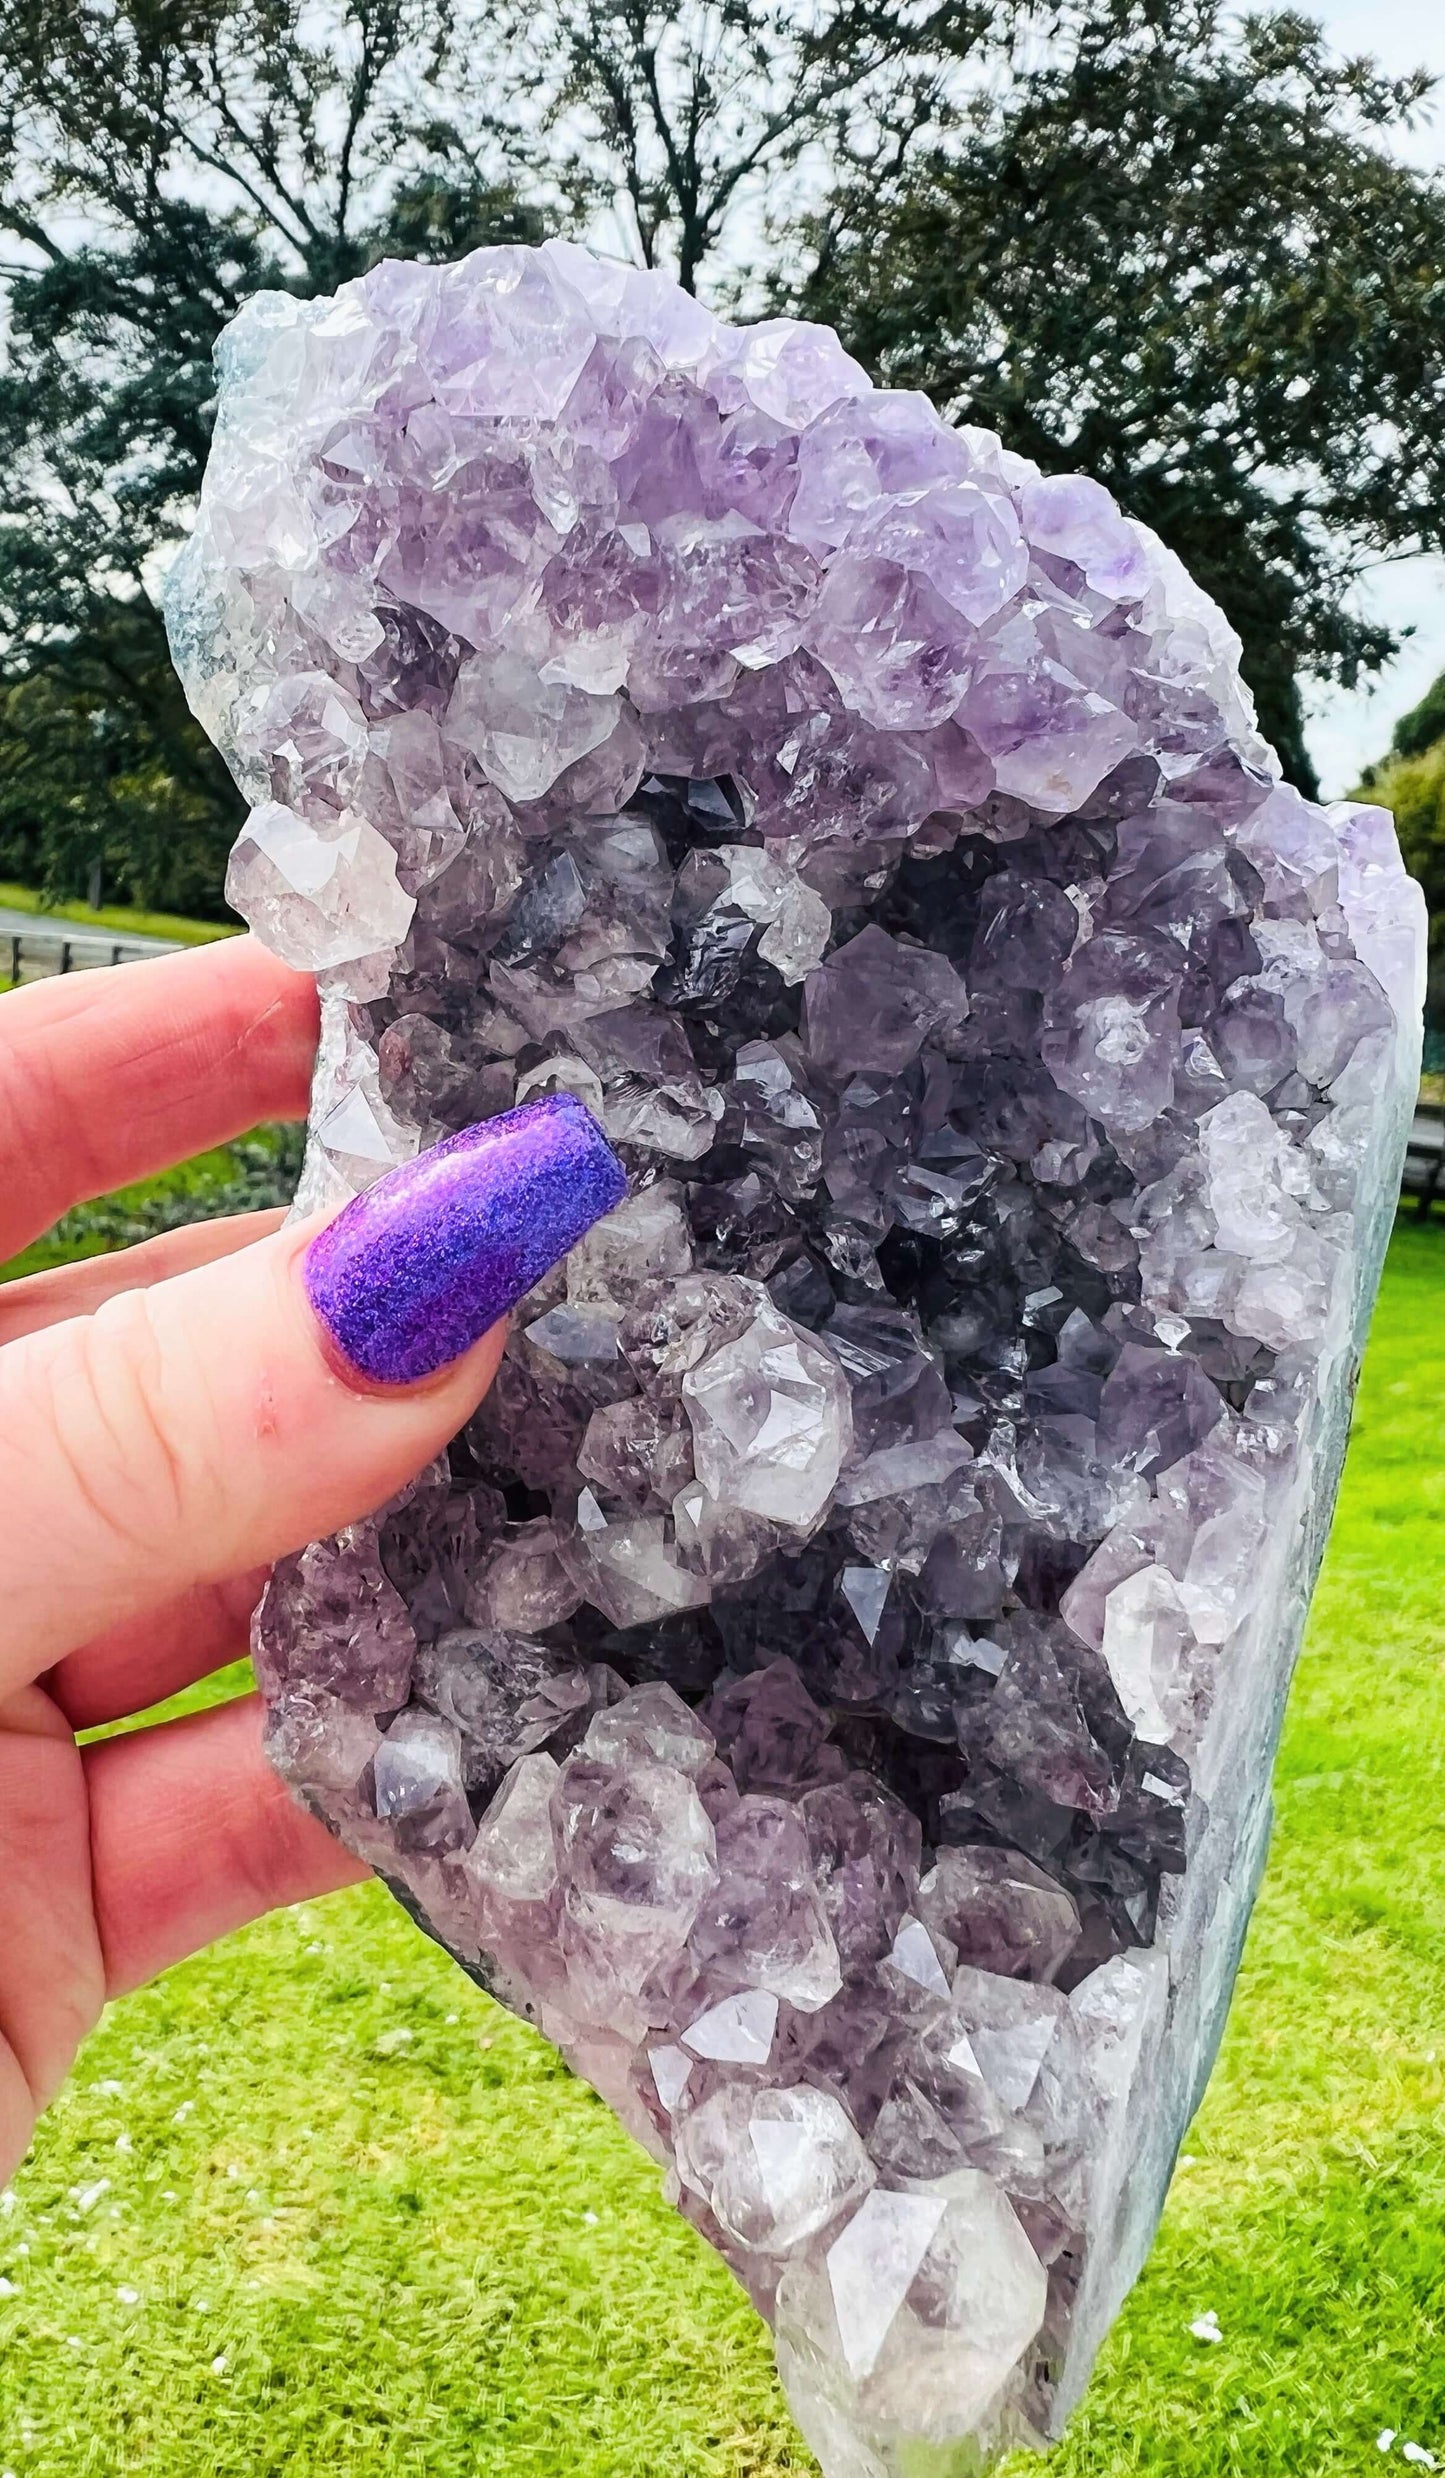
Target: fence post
pixel 15 960
pixel 65 954
pixel 115 954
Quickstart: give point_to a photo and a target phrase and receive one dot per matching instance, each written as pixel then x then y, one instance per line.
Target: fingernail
pixel 412 1272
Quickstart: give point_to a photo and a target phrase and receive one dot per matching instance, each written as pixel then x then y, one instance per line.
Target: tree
pixel 1416 731
pixel 1175 253
pixel 159 162
pixel 690 123
pixel 1411 783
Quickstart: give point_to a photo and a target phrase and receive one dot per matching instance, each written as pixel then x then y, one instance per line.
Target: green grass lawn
pixel 119 917
pixel 312 2204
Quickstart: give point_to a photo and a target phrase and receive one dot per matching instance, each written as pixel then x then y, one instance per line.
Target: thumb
pixel 211 1423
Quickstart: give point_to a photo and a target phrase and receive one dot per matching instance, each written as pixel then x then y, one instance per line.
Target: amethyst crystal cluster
pixel 831 1684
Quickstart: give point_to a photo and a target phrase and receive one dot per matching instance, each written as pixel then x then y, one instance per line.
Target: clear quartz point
pixel 831 1685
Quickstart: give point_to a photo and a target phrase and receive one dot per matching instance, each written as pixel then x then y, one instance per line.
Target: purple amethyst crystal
pixel 831 1684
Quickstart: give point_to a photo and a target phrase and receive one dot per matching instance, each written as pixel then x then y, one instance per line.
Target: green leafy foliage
pixel 103 775
pixel 1177 253
pixel 1415 731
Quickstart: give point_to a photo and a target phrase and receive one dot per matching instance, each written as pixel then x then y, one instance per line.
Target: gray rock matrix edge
pixel 831 1685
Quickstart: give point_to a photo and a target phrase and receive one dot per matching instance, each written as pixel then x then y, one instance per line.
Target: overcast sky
pixel 1346 731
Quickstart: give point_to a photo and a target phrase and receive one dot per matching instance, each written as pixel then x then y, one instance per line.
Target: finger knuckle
pixel 32 1105
pixel 130 1422
pixel 262 1850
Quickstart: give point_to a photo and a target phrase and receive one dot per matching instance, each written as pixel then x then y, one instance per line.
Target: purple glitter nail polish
pixel 417 1268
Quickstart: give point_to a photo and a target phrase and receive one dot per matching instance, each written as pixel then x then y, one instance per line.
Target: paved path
pixel 58 925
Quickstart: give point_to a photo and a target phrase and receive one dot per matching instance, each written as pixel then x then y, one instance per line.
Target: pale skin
pixel 171 1420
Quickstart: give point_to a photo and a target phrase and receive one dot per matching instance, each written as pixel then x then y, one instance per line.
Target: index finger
pixel 110 1076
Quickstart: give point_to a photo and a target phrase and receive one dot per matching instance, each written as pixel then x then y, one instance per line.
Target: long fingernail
pixel 418 1267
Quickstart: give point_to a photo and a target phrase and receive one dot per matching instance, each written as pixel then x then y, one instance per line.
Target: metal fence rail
pixel 1424 1172
pixel 40 953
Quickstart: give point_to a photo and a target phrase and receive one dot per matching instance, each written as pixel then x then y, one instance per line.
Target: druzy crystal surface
pixel 830 1686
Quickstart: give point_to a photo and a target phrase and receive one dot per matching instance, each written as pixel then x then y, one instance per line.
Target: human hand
pixel 175 1417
